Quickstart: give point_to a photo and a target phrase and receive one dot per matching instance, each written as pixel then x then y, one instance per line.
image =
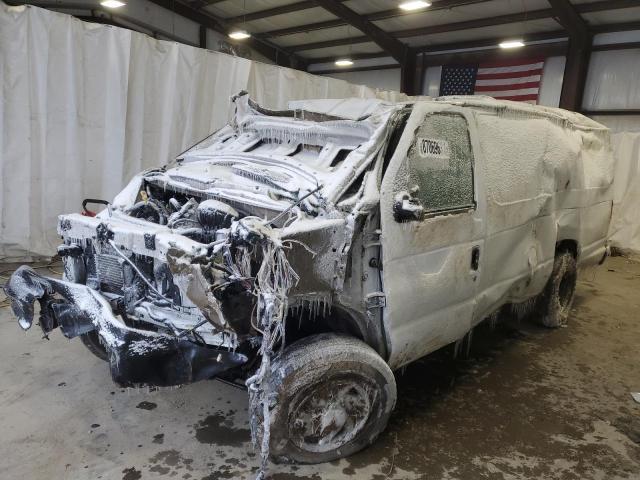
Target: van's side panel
pixel 542 176
pixel 546 181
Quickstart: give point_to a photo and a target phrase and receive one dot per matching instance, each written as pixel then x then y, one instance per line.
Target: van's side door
pixel 432 232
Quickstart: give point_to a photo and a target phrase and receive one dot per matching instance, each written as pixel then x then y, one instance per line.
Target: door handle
pixel 475 257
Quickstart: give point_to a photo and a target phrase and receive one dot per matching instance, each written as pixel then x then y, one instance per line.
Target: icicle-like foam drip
pixel 272 284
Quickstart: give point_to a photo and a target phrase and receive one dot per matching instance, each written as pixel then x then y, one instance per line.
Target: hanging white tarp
pixel 83 107
pixel 625 224
pixel 612 84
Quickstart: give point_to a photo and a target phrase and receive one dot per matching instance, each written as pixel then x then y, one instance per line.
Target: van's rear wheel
pixel 334 396
pixel 554 303
pixel 92 342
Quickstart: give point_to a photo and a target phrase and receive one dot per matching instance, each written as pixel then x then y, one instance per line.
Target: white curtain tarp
pixel 625 223
pixel 612 84
pixel 83 107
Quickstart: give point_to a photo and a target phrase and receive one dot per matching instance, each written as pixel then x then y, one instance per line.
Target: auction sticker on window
pixel 437 150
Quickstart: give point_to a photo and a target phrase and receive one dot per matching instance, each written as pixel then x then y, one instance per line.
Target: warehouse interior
pixel 94 92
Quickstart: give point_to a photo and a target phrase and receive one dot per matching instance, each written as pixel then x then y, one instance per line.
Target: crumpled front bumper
pixel 136 357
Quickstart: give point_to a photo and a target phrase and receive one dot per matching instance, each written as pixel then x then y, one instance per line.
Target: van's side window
pixel 440 162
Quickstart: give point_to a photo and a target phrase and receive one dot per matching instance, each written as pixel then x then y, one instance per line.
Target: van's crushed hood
pixel 268 182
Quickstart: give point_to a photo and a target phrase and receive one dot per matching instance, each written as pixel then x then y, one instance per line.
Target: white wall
pixel 387 79
pixel 613 82
pixel 551 83
pixel 383 79
pixel 431 81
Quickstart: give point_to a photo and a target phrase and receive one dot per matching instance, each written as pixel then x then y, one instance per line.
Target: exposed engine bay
pixel 180 251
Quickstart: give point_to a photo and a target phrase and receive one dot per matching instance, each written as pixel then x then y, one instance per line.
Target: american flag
pixel 517 80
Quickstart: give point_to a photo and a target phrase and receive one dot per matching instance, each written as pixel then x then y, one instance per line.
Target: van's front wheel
pixel 554 303
pixel 334 396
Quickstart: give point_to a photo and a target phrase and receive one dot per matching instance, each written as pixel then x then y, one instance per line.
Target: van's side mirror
pixel 406 207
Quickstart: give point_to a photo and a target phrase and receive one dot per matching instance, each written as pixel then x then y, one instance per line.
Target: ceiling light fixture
pixel 239 34
pixel 112 3
pixel 414 5
pixel 344 62
pixel 512 44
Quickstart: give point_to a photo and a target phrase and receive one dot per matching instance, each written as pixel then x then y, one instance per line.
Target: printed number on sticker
pixel 435 149
pixel 432 148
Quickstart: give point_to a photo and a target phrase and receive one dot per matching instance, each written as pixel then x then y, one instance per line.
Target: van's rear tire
pixel 334 396
pixel 554 303
pixel 92 342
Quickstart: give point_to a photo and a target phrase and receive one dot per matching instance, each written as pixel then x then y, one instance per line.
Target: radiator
pixel 109 272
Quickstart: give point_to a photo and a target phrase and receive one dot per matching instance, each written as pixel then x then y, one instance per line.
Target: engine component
pixel 215 214
pixel 150 210
pixel 185 217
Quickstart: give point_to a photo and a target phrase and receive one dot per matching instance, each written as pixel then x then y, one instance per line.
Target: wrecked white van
pixel 308 253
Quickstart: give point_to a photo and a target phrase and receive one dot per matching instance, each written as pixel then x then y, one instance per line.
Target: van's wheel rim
pixel 330 414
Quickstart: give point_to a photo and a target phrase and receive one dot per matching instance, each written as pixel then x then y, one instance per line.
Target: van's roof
pixel 481 102
pixel 357 108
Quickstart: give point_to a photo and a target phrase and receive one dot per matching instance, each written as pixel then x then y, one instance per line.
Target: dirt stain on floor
pixel 131 474
pixel 144 405
pixel 170 462
pixel 218 429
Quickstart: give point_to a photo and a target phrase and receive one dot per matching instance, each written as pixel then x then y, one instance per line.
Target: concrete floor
pixel 527 403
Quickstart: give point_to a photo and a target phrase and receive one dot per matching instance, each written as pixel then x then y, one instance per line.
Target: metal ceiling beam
pixel 569 18
pixel 381 15
pixel 545 13
pixel 616 27
pixel 493 54
pixel 272 12
pixel 337 42
pixel 309 27
pixel 546 49
pixel 615 46
pixel 492 42
pixel 373 68
pixel 578 54
pixel 605 5
pixel 393 46
pixel 352 56
pixel 409 74
pixel 444 47
pixel 444 28
pixel 443 4
pixel 433 57
pixel 264 47
pixel 475 23
pixel 400 52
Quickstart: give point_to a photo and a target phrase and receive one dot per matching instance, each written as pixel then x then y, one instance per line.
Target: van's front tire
pixel 554 304
pixel 334 396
